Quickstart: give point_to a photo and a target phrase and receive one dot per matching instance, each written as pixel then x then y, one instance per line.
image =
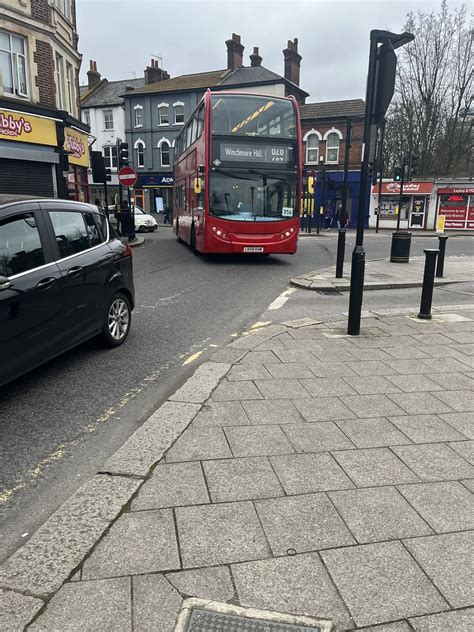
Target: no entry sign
pixel 127 176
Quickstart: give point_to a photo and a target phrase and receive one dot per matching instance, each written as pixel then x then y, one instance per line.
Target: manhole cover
pixel 207 621
pixel 199 615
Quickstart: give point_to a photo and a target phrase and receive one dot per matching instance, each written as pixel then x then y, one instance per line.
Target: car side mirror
pixel 4 283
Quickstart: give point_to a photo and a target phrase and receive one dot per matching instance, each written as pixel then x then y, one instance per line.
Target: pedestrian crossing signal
pixel 397 174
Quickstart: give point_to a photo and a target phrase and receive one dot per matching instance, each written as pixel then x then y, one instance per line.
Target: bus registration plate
pixel 253 248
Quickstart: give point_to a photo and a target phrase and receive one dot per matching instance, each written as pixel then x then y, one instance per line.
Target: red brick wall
pixel 44 60
pixel 40 10
pixel 322 127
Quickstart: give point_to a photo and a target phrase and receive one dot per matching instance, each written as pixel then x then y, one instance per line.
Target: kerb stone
pixel 198 388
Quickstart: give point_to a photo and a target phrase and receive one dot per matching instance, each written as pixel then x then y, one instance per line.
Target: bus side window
pixel 200 121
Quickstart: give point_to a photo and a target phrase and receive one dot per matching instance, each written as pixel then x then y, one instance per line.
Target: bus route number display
pixel 240 152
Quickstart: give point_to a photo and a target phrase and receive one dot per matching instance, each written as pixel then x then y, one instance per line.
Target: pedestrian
pixel 98 203
pixel 328 217
pixel 166 214
pixel 342 217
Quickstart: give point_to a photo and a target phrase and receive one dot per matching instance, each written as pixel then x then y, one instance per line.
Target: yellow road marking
pixel 261 324
pixel 193 357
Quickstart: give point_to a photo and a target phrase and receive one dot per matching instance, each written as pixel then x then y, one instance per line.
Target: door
pixel 30 296
pixel 417 215
pixel 86 263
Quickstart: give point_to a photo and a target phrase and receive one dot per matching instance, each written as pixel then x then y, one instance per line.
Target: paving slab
pixel 316 437
pixel 452 381
pixel 460 401
pixel 374 466
pixel 372 406
pixel 464 449
pixel 156 604
pixel 57 547
pixel 258 441
pixel 373 386
pixel 220 534
pixel 399 626
pixel 372 432
pixel 306 473
pixel 98 606
pixel 410 367
pixel 296 585
pixel 419 403
pixel 414 383
pixel 198 387
pixel 381 582
pixel 228 355
pixel 377 514
pixel 301 524
pixel 148 444
pixel 139 542
pixel 241 479
pixel 325 386
pixel 245 372
pixel 426 428
pixel 290 356
pixel 228 391
pixel 260 357
pixel 172 485
pixel 17 610
pixel 282 389
pixel 294 370
pixel 447 560
pixel 272 411
pixel 446 506
pixel 449 365
pixel 327 409
pixel 221 414
pixel 208 583
pixel 462 422
pixel 455 621
pixel 434 462
pixel 371 367
pixel 199 443
pixel 327 369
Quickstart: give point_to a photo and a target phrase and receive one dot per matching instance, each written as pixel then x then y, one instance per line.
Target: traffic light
pixel 414 165
pixel 397 174
pixel 122 152
pixel 98 167
pixel 108 175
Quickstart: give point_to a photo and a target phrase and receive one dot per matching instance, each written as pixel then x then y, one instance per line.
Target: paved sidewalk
pixel 381 274
pixel 300 471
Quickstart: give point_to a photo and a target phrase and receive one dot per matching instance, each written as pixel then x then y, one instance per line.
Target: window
pixel 178 109
pixel 163 114
pixel 140 149
pixel 58 71
pixel 110 155
pixel 93 232
pixel 86 117
pixel 332 147
pixel 165 154
pixel 188 135
pixel 13 64
pixel 64 6
pixel 71 232
pixel 101 222
pixel 200 121
pixel 312 149
pixel 20 245
pixel 138 114
pixel 70 88
pixel 108 119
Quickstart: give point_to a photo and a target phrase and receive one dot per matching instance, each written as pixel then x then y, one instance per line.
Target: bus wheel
pixel 177 233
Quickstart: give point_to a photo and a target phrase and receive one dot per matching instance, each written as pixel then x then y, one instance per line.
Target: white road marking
pixel 281 300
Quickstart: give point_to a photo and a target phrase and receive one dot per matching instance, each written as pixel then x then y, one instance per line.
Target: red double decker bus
pixel 237 175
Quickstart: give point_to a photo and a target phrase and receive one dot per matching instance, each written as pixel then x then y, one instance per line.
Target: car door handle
pixel 44 284
pixel 75 271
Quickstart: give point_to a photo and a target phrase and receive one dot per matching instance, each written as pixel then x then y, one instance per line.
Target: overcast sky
pixel 189 36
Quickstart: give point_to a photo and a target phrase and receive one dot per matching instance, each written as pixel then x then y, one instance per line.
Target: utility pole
pixel 381 170
pixel 346 164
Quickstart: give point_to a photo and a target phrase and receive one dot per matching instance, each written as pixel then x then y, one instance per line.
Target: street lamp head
pixel 395 39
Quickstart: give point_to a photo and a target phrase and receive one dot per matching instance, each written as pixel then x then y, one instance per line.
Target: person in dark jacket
pixel 342 217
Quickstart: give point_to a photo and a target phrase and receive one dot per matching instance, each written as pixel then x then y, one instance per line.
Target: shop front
pixel 154 191
pixel 414 209
pixel 28 151
pixel 76 147
pixel 456 204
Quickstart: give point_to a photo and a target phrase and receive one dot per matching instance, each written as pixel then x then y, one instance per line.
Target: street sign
pixel 127 176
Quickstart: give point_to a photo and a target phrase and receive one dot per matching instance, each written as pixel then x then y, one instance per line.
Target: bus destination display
pixel 246 152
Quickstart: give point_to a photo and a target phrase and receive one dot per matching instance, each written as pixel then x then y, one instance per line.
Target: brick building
pixel 324 130
pixel 156 112
pixel 43 144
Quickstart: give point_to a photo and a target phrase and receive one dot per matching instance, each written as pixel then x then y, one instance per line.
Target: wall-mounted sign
pixel 77 146
pixel 409 188
pixel 27 128
pixel 253 152
pixel 154 180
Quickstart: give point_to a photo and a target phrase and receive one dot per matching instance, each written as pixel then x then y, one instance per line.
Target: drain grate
pixel 202 620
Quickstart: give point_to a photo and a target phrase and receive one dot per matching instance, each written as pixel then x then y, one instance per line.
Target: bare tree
pixel 431 113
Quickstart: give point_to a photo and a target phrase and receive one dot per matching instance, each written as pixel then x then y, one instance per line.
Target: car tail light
pixel 128 250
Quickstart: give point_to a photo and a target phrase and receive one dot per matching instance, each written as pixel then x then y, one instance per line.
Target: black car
pixel 65 277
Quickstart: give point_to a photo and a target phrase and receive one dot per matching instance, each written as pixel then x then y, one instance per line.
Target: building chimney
pixel 93 77
pixel 154 74
pixel 292 62
pixel 255 58
pixel 235 52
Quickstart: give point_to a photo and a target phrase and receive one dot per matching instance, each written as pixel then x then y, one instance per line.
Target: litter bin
pixel 401 242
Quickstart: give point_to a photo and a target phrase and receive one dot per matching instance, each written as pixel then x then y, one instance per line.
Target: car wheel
pixel 117 321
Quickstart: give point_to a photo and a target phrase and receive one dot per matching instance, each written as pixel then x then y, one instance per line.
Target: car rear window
pixel 20 245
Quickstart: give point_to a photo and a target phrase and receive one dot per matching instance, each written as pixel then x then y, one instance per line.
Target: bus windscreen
pixel 250 115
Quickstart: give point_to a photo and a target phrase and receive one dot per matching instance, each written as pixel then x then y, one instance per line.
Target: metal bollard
pixel 428 283
pixel 341 246
pixel 442 251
